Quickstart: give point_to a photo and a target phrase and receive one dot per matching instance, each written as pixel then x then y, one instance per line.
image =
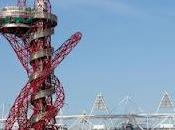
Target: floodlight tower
pixel 29 30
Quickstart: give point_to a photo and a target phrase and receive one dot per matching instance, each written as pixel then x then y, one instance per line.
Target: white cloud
pixel 113 6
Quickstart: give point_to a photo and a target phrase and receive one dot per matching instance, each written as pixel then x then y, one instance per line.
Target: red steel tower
pixel 29 31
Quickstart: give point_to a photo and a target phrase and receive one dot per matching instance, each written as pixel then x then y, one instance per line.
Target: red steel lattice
pixel 32 44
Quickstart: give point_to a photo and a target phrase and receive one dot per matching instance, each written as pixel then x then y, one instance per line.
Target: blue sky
pixel 127 49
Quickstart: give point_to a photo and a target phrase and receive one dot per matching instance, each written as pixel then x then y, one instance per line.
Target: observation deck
pixel 18 20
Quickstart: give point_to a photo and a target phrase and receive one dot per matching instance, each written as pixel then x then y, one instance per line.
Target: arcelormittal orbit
pixel 29 30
